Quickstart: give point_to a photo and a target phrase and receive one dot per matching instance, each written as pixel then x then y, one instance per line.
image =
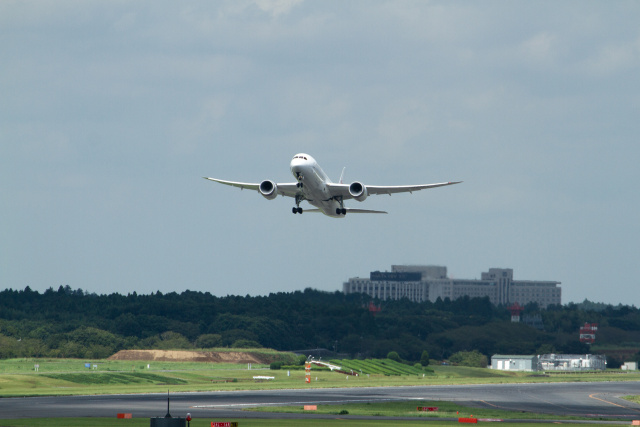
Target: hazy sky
pixel 112 111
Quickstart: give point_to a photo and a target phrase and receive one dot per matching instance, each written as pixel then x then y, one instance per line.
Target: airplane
pixel 314 186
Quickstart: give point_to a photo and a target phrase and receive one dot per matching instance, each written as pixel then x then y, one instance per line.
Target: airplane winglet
pixel 342 175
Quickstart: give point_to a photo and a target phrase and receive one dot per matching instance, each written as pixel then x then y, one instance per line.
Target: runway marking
pixel 593 396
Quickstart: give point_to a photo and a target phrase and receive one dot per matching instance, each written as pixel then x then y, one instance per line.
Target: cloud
pixel 277 7
pixel 613 58
pixel 540 48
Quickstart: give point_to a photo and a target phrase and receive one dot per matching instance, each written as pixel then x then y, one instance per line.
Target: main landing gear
pixel 297 209
pixel 341 210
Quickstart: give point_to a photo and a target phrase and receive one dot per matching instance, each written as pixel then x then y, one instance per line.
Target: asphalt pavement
pixel 594 400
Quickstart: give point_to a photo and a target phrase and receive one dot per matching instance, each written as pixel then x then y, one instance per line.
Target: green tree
pixel 424 358
pixel 469 358
pixel 172 340
pixel 546 349
pixel 393 355
pixel 209 341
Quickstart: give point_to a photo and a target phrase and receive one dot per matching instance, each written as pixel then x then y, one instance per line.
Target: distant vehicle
pixel 315 187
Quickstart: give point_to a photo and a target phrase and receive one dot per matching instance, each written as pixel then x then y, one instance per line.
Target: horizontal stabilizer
pixel 365 211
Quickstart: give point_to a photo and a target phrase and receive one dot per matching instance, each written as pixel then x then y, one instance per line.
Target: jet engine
pixel 268 189
pixel 358 191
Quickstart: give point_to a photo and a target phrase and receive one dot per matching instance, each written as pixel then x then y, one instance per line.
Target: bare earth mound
pixel 187 356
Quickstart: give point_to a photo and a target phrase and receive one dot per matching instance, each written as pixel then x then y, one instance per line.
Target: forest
pixel 74 324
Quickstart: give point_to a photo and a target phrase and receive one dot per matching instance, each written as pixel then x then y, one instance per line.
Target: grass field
pixel 69 376
pixel 635 399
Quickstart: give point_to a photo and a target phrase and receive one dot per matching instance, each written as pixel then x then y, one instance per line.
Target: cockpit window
pixel 299 157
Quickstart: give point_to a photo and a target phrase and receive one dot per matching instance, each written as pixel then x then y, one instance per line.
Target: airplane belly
pixel 329 208
pixel 321 198
pixel 316 193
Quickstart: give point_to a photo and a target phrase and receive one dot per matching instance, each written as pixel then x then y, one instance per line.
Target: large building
pixel 549 362
pixel 428 283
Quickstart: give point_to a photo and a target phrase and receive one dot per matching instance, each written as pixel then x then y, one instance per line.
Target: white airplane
pixel 314 186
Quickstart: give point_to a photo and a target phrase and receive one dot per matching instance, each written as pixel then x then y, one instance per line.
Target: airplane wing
pixel 343 189
pixel 287 189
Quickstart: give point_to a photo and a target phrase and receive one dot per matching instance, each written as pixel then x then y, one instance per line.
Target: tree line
pixel 71 323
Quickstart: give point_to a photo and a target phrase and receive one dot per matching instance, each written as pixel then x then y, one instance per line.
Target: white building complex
pixel 549 362
pixel 428 283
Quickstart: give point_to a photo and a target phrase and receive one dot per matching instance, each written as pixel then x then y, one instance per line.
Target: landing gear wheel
pixel 341 210
pixel 299 210
pixel 294 210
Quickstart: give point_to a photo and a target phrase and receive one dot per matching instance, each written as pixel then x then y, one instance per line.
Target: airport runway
pixel 595 400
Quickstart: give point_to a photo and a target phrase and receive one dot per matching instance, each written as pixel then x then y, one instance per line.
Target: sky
pixel 113 111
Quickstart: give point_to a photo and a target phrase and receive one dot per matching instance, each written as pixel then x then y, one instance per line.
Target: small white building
pixel 514 362
pixel 630 366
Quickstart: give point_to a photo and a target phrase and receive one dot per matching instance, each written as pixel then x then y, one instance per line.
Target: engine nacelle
pixel 358 191
pixel 268 189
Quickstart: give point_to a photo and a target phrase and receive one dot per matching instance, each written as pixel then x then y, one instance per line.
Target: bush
pixel 469 358
pixel 393 355
pixel 246 344
pixel 274 366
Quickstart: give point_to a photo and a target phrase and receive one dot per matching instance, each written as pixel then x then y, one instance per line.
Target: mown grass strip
pixel 409 409
pixel 380 366
pixel 93 378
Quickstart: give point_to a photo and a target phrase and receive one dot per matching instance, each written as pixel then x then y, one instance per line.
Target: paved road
pixel 595 400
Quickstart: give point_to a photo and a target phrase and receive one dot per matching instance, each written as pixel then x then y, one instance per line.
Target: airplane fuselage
pixel 313 184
